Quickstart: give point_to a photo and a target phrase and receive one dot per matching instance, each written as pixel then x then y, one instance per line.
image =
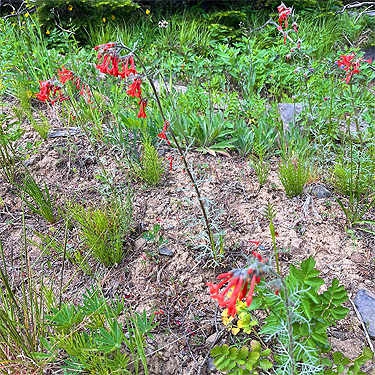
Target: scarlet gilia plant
pixel 52 87
pixel 243 281
pixel 350 65
pixel 113 63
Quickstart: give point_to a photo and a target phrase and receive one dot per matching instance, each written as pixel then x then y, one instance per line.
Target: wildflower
pixel 27 15
pixel 239 280
pixel 350 66
pixel 113 17
pixel 132 68
pixel 45 89
pixel 48 32
pixel 148 11
pixel 162 134
pixel 284 12
pixel 163 24
pixel 142 113
pixel 70 8
pixel 171 161
pixel 64 75
pixel 295 27
pixel 134 89
pixel 104 19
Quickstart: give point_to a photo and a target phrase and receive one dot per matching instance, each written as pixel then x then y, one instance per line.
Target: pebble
pixel 319 191
pixel 164 250
pixel 139 243
pixel 296 244
pixel 210 365
pixel 365 302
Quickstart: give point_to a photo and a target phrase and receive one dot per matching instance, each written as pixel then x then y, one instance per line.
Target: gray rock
pixel 289 112
pixel 365 302
pixel 164 250
pixel 64 133
pixel 319 191
pixel 210 365
pixel 30 161
pixel 296 243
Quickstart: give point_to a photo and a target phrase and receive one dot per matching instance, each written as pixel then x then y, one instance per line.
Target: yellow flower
pixel 104 19
pixel 148 11
pixel 23 22
pixel 12 12
pixel 13 24
pixel 48 32
pixel 226 319
pixel 70 8
pixel 27 15
pixel 113 17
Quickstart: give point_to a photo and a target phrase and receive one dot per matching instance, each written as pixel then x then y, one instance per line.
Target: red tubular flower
pixel 132 67
pixel 142 113
pixel 162 135
pixel 64 75
pixel 171 161
pixel 239 280
pixel 350 66
pixel 134 89
pixel 45 89
pixel 125 64
pixel 284 12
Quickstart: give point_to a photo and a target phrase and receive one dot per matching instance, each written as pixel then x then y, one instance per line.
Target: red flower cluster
pixel 239 280
pixel 350 65
pixel 48 87
pixel 112 63
pixel 284 12
pixel 66 75
pixel 112 59
pixel 162 135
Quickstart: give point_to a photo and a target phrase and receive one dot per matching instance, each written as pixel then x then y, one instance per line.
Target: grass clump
pixel 150 169
pixel 104 228
pixel 293 175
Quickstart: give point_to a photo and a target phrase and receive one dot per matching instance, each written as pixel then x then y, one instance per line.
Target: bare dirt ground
pixel 174 286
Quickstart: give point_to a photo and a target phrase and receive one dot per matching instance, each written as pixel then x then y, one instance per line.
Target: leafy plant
pixel 154 236
pixel 93 338
pixel 261 166
pixel 150 169
pixel 41 202
pixel 10 133
pixel 301 318
pixel 241 361
pixel 293 174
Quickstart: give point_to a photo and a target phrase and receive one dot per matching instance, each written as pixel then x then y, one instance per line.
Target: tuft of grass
pixel 293 175
pixel 151 168
pixel 104 228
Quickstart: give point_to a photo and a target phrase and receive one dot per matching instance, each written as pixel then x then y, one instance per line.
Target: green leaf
pixel 337 357
pixel 265 364
pixel 253 358
pixel 265 353
pixel 243 353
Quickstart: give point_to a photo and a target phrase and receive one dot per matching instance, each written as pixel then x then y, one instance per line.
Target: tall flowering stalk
pixel 112 62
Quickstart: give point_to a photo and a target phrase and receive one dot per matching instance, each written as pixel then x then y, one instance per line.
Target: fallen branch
pixel 357 4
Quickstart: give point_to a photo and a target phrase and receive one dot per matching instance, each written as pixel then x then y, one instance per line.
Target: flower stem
pixel 180 151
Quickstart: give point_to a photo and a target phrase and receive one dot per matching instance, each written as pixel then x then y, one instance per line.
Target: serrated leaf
pixel 216 350
pixel 233 353
pixel 253 357
pixel 265 352
pixel 243 353
pixel 314 281
pixel 255 346
pixel 265 364
pixel 337 357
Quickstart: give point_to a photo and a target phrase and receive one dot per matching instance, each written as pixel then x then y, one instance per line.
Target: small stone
pixel 296 243
pixel 139 243
pixel 164 250
pixel 319 191
pixel 29 162
pixel 210 365
pixel 211 339
pixel 365 302
pixel 337 334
